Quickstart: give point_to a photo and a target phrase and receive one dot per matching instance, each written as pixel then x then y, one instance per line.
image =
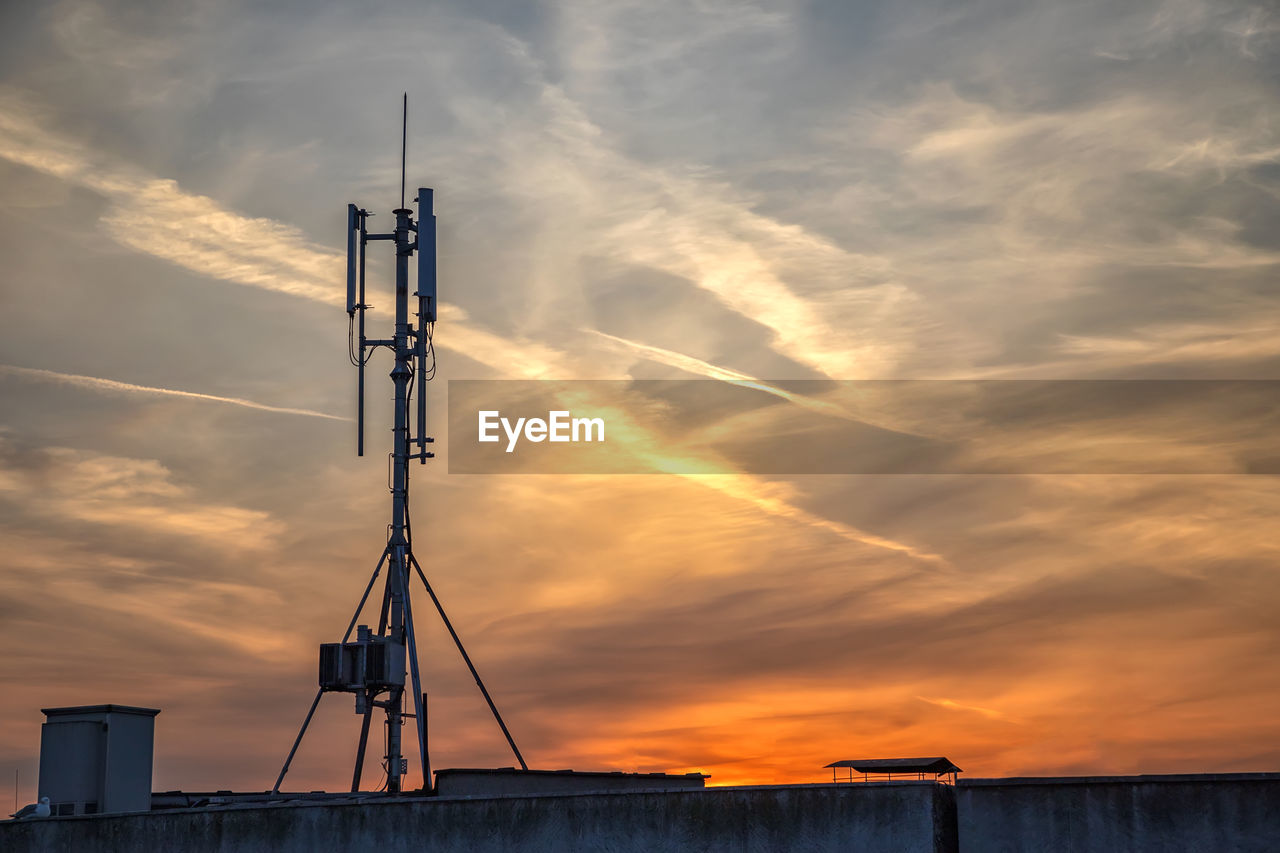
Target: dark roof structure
pixel 100 709
pixel 938 765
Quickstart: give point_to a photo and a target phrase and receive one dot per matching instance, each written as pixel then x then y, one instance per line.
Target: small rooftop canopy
pixel 898 765
pixel 938 766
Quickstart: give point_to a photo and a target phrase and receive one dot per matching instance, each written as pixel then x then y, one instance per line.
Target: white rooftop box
pixel 97 758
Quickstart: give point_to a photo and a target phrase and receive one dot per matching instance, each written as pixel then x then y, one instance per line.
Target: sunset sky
pixel 717 190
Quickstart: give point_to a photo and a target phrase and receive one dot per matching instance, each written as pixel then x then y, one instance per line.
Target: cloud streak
pixel 952 705
pixel 152 215
pixel 156 217
pixel 94 383
pixel 126 493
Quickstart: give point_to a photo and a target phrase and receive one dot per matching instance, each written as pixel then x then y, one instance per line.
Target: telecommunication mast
pixel 373 665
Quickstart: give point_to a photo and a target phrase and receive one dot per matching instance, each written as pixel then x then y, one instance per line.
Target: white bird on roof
pixel 40 809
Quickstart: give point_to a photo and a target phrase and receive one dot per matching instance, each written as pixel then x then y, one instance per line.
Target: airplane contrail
pixel 698 367
pixel 98 384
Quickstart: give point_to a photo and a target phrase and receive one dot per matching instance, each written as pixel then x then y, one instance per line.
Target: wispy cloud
pixel 204 237
pixel 156 217
pixel 822 303
pixel 952 705
pixel 60 483
pixel 153 215
pixel 779 500
pixel 698 367
pixel 94 383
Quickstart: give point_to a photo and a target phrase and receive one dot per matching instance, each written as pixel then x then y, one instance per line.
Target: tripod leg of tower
pixel 364 740
pixel 394 704
pixel 355 617
pixel 369 696
pixel 368 700
pixel 444 617
pixel 417 688
pixel 275 789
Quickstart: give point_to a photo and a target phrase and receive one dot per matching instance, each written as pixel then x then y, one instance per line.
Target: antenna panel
pixel 426 257
pixel 351 259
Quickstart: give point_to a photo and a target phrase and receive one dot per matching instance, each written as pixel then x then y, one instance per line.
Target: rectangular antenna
pixel 362 217
pixel 426 257
pixel 426 303
pixel 351 259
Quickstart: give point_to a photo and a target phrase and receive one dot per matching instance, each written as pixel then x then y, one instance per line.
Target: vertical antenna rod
pixel 404 144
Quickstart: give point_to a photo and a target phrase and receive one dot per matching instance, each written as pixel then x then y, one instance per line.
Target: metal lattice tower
pixel 373 665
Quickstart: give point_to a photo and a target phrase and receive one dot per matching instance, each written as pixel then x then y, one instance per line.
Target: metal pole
pixel 356 616
pixel 364 740
pixel 369 697
pixel 426 741
pixel 275 789
pixel 466 657
pixel 404 144
pixel 398 565
pixel 417 686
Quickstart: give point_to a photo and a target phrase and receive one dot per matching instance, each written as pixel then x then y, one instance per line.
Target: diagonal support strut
pixel 467 658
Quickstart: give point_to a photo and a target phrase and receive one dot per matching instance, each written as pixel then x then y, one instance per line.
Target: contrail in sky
pixel 697 366
pixel 97 384
pixel 157 217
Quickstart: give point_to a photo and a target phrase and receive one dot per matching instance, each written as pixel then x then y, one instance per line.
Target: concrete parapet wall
pixel 1215 813
pixel 1220 813
pixel 509 782
pixel 904 817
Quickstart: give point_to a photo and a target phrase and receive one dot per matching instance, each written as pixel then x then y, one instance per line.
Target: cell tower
pixel 373 665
